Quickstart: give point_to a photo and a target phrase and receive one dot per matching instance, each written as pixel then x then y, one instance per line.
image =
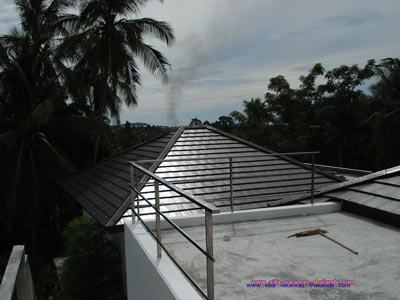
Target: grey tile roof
pixel 207 175
pixel 379 191
pixel 103 189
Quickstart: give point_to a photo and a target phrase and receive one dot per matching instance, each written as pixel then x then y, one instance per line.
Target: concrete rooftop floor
pixel 260 250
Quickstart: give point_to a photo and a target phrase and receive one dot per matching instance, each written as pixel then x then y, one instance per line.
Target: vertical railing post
pixel 158 227
pixel 133 193
pixel 137 195
pixel 231 182
pixel 312 178
pixel 209 249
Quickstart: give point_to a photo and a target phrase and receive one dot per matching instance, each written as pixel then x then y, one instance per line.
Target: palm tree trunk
pixel 34 206
pixel 96 146
pixel 340 158
pixel 102 108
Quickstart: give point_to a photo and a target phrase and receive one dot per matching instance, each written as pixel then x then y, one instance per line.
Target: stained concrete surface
pixel 260 250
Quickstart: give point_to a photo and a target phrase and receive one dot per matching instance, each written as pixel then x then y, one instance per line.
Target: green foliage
pixel 92 267
pixel 386 117
pixel 102 47
pixel 30 90
pixel 330 113
pixel 60 84
pixel 45 278
pixel 195 122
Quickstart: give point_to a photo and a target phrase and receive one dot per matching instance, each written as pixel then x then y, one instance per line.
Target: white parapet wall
pixel 253 215
pixel 149 277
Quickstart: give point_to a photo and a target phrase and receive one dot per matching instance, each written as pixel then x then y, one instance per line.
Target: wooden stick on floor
pixel 340 244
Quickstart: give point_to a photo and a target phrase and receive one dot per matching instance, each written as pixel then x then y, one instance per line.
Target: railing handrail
pixel 207 206
pixel 17 276
pixel 209 209
pixel 8 284
pixel 194 243
pixel 159 244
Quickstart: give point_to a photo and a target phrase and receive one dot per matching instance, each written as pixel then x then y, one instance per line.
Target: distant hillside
pixel 139 124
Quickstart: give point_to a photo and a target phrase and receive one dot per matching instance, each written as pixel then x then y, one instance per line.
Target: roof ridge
pixel 125 205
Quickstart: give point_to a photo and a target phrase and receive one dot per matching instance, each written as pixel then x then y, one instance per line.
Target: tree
pixel 30 90
pixel 328 112
pixel 253 124
pixel 289 114
pixel 92 269
pixel 103 49
pixel 386 119
pixel 195 122
pixel 343 113
pixel 224 123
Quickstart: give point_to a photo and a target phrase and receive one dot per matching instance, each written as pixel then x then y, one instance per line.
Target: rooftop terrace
pixel 260 250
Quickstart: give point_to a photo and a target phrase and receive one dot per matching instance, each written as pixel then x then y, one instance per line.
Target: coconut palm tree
pixel 102 51
pixel 29 91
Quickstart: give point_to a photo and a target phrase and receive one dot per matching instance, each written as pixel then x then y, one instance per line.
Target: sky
pixel 226 51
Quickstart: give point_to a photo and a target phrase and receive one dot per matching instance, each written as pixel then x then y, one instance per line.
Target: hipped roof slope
pixel 103 189
pixel 379 191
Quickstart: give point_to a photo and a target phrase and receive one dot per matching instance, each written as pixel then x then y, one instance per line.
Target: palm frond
pixel 42 113
pixel 153 60
pixel 64 164
pixel 151 28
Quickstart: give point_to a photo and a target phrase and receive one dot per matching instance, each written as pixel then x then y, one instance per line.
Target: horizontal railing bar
pixel 256 196
pixel 198 288
pixel 237 190
pixel 227 178
pixel 167 212
pixel 216 157
pixel 200 203
pixel 238 198
pixel 194 243
pixel 265 196
pixel 167 204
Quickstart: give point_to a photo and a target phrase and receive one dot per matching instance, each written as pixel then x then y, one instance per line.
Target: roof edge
pixel 124 206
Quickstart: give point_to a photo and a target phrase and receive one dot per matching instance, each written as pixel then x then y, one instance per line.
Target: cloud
pixel 227 50
pixel 357 19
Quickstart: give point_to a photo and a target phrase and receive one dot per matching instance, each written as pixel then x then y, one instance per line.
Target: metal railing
pixel 230 160
pixel 209 209
pixel 17 277
pixel 357 172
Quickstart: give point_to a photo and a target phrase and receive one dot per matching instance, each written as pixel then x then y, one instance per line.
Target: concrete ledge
pixel 149 277
pixel 253 215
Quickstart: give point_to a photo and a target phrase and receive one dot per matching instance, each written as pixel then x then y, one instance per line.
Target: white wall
pixel 252 215
pixel 117 238
pixel 149 277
